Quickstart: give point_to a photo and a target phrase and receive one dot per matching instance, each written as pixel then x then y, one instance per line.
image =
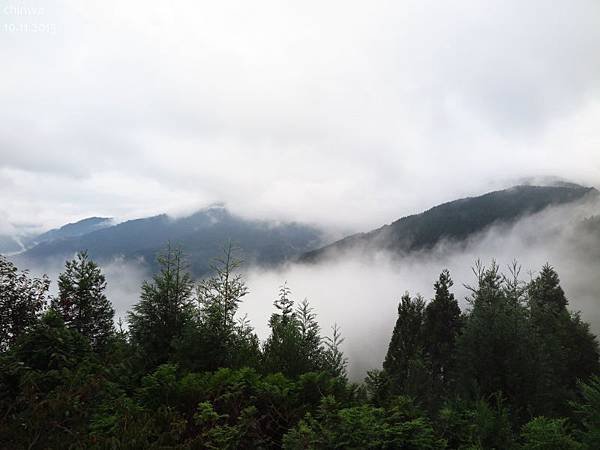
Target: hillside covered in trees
pixel 456 221
pixel 517 369
pixel 269 243
pixel 201 233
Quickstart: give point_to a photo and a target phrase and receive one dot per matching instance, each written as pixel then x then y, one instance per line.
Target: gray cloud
pixel 348 114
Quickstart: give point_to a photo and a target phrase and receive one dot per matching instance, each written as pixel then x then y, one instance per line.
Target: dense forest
pixel 515 370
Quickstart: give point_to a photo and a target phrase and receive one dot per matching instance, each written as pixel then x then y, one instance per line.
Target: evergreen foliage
pixel 443 325
pixel 404 363
pixel 284 350
pixel 22 300
pixel 335 362
pixel 163 310
pixel 213 338
pixel 81 301
pixel 517 370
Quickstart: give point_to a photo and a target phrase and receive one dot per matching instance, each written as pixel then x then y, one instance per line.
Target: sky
pixel 338 113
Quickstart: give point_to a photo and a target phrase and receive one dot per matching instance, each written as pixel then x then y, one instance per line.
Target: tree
pixel 164 308
pixel 81 301
pixel 404 362
pixel 334 361
pixel 51 345
pixel 214 338
pixel 22 299
pixel 587 410
pixel 219 297
pixel 282 351
pixel 48 387
pixel 476 424
pixel 543 433
pixel 569 350
pixel 284 304
pixel 311 342
pixel 399 426
pixel 546 293
pixel 295 345
pixel 442 327
pixel 496 351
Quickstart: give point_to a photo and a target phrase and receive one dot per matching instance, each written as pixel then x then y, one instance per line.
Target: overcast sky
pixel 346 114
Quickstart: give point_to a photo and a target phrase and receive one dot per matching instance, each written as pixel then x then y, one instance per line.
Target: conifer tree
pixel 335 363
pixel 285 304
pixel 295 345
pixel 495 350
pixel 214 338
pixel 311 346
pixel 568 349
pixel 22 300
pixel 442 326
pixel 81 301
pixel 546 293
pixel 404 362
pixel 245 351
pixel 281 350
pixel 164 308
pixel 219 296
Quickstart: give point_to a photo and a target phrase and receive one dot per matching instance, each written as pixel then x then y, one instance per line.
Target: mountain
pixel 11 244
pixel 201 235
pixel 70 230
pixel 456 220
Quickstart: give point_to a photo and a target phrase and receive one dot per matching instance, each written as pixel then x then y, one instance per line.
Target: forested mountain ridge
pixel 71 230
pixel 202 234
pixel 456 220
pixel 23 241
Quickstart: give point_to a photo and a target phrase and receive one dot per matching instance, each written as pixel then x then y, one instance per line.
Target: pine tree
pixel 442 326
pixel 335 362
pixel 546 293
pixel 285 304
pixel 281 350
pixel 294 346
pixel 311 341
pixel 496 351
pixel 404 362
pixel 246 345
pixel 164 308
pixel 81 301
pixel 568 349
pixel 217 334
pixel 22 300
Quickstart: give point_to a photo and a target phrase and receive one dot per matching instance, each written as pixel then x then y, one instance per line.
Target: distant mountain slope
pixel 456 220
pixel 70 230
pixel 10 244
pixel 201 235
